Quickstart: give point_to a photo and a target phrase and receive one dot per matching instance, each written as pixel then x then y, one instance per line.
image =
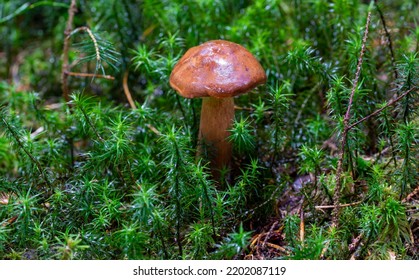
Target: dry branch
pixel 334 206
pixel 381 109
pixel 126 90
pixel 108 77
pixel 411 195
pixel 339 171
pixel 132 103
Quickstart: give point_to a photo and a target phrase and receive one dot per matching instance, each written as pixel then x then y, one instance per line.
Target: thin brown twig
pixel 411 195
pixel 257 239
pixel 10 221
pixel 339 171
pixel 65 67
pixel 268 234
pixel 132 103
pixel 154 130
pixel 126 90
pixel 77 74
pixel 243 108
pixel 356 242
pixel 302 225
pixel 277 247
pixel 340 205
pixel 66 46
pixel 381 109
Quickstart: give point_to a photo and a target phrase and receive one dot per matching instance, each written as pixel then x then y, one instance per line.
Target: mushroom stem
pixel 217 115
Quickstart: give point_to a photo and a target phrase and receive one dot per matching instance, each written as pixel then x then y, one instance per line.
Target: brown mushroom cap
pixel 216 68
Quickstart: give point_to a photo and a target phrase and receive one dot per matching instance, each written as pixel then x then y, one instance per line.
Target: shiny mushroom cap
pixel 216 68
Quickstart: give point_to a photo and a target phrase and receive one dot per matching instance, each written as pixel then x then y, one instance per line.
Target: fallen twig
pixel 334 206
pixel 108 77
pixel 132 103
pixel 411 195
pixel 279 248
pixel 243 108
pixel 269 233
pixel 127 91
pixel 353 247
pixel 302 226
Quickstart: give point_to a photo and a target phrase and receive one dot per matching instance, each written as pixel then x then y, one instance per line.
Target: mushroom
pixel 216 71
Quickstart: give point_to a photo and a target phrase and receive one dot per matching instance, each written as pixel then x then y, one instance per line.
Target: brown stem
pixel 126 90
pixel 217 115
pixel 411 195
pixel 65 66
pixel 76 74
pixel 339 170
pixel 381 109
pixel 334 206
pixel 355 244
pixel 302 225
pixel 132 103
